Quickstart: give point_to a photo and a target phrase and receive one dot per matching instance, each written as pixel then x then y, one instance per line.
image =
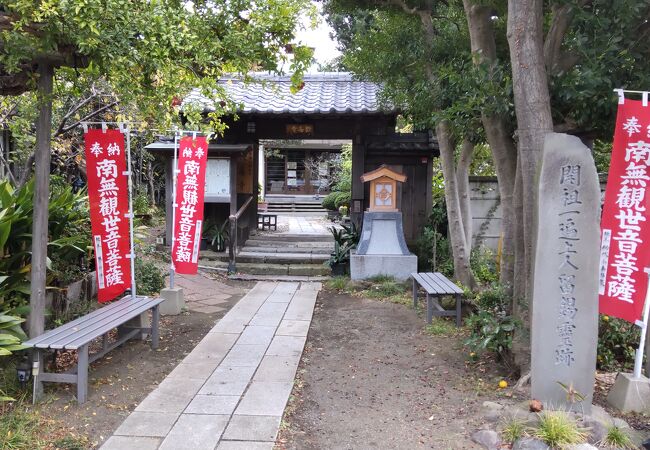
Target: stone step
pixel 290 237
pixel 311 270
pixel 268 257
pixel 323 250
pixel 290 245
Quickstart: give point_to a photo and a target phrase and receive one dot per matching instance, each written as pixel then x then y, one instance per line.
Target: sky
pixel 319 38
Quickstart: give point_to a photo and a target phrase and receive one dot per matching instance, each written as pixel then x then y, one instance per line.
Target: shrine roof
pixel 383 171
pixel 322 93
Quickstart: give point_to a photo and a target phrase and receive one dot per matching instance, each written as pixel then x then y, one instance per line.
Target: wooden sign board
pixel 383 188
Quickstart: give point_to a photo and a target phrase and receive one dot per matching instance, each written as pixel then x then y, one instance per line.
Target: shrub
pixel 558 430
pixel 484 265
pixel 329 201
pixel 342 199
pixel 617 340
pixel 149 279
pixel 490 332
pixel 513 429
pixel 617 438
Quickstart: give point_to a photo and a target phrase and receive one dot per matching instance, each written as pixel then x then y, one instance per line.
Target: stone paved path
pixel 315 224
pixel 204 294
pixel 230 392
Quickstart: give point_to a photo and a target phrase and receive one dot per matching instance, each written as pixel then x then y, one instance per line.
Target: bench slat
pixel 451 285
pixel 425 283
pixel 107 325
pixel 441 289
pixel 79 322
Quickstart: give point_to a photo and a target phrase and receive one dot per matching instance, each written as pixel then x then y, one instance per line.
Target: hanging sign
pixel 109 206
pixel 625 230
pixel 190 189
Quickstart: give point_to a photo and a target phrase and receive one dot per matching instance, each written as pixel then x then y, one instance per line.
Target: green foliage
pixel 340 255
pixel 142 204
pixel 513 429
pixel 69 230
pixel 329 201
pixel 384 287
pixel 11 334
pixel 339 283
pixel 617 438
pixel 161 49
pixel 483 263
pixel 490 333
pixel 217 234
pixel 149 279
pixel 334 200
pixel 441 327
pixel 617 341
pixel 558 430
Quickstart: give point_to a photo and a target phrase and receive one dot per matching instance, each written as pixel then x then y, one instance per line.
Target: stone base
pixel 399 267
pixel 174 301
pixel 630 394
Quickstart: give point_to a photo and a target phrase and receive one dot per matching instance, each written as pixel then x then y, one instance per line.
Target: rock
pixel 492 411
pixel 529 444
pixel 487 438
pixel 492 405
pixel 597 430
pixel 598 413
pixel 535 405
pixel 620 423
pixel 581 447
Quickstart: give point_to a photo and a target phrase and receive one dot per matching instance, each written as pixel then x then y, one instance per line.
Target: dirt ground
pixel 371 378
pixel 124 377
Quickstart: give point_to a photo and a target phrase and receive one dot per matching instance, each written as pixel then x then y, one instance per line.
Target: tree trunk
pixel 533 109
pixel 41 201
pixel 462 178
pixel 459 247
pixel 499 137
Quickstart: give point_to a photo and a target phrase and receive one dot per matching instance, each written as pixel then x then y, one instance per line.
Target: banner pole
pixel 127 131
pixel 174 188
pixel 638 357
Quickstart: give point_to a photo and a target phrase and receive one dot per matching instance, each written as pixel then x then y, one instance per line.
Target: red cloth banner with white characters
pixel 190 189
pixel 109 207
pixel 625 228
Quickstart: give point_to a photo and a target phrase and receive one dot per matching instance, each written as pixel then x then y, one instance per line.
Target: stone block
pixel 265 399
pixel 277 368
pixel 195 432
pixel 212 404
pixel 245 445
pixel 174 301
pixel 172 396
pixel 252 428
pixel 630 394
pixel 286 346
pixel 399 267
pixel 293 328
pixel 131 442
pixel 151 424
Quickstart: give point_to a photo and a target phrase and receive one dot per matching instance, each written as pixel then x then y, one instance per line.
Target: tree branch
pixel 555 59
pixel 85 118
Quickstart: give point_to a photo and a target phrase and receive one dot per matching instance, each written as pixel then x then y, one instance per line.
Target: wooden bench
pixel 267 221
pixel 437 285
pixel 79 333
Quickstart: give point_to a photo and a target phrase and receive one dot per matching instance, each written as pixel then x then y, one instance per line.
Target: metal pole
pixel 638 359
pixel 129 173
pixel 174 187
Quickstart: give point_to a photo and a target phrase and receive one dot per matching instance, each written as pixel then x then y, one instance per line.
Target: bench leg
pixel 458 311
pixel 415 294
pixel 155 319
pixel 39 362
pixel 82 374
pixel 429 309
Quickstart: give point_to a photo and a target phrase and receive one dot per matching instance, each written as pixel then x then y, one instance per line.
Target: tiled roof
pixel 323 93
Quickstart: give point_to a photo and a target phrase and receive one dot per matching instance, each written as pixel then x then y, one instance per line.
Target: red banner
pixel 190 189
pixel 109 206
pixel 625 232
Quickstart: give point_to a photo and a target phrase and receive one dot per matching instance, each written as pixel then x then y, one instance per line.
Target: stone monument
pixel 565 291
pixel 382 248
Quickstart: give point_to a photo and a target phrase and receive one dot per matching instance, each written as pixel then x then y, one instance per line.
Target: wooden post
pixel 358 168
pixel 169 199
pixel 36 321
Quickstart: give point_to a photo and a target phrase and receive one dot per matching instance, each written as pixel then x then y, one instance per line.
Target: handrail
pixel 234 238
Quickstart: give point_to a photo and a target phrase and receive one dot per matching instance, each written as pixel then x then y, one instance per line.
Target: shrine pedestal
pixel 382 248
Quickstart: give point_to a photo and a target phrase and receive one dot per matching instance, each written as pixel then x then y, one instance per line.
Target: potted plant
pixel 262 205
pixel 215 236
pixel 339 260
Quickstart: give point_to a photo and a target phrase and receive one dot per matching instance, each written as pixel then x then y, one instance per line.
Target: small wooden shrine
pixel 383 188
